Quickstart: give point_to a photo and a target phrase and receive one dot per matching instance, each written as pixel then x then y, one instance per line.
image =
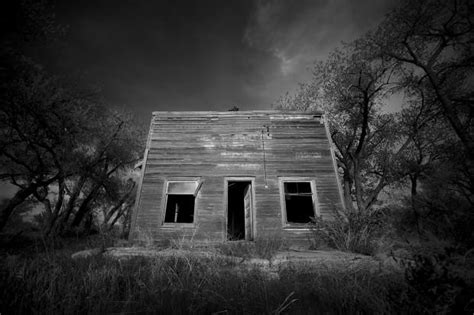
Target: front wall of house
pixel 212 146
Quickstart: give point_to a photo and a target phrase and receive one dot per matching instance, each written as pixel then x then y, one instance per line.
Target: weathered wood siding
pixel 215 145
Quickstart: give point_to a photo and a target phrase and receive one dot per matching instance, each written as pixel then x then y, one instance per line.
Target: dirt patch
pixel 315 258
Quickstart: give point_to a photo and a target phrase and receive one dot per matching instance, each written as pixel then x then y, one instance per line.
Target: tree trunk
pixel 84 208
pixel 127 222
pixel 347 191
pixel 57 208
pixel 122 211
pixel 18 198
pixel 414 193
pixel 69 207
pixel 117 208
pixel 450 113
pixel 89 219
pixel 359 193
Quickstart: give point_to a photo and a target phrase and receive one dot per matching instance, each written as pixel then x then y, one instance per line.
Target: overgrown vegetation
pixel 264 248
pixel 54 283
pixel 42 278
pixel 69 154
pixel 357 233
pixel 438 274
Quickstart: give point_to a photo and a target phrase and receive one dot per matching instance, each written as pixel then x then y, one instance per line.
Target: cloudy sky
pixel 203 55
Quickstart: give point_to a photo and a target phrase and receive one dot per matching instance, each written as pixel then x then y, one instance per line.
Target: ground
pixel 233 277
pixel 328 259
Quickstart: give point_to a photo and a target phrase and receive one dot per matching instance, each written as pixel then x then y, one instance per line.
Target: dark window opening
pixel 180 198
pixel 179 209
pixel 298 202
pixel 236 203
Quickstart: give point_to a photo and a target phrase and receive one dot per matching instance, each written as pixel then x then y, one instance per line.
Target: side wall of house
pixel 213 146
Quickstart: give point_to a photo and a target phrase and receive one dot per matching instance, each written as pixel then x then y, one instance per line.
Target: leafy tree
pixel 57 145
pixel 430 140
pixel 349 87
pixel 61 147
pixel 433 40
pixel 114 150
pixel 40 126
pixel 118 206
pixel 431 44
pixel 25 24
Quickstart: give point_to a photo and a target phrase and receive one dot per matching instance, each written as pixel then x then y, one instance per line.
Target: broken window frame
pixel 195 192
pixel 284 217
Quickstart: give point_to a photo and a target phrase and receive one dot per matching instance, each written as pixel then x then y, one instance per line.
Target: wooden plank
pixel 248 213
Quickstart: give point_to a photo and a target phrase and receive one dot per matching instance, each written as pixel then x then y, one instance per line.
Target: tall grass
pixel 356 232
pixel 264 248
pixel 55 283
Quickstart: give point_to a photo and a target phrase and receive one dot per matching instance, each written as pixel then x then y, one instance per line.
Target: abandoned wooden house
pixel 236 175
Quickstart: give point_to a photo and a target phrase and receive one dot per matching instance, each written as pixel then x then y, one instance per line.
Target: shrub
pixel 355 232
pixel 435 274
pixel 348 291
pixel 436 210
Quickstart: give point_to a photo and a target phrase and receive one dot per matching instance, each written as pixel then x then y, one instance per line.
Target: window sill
pixel 178 225
pixel 297 227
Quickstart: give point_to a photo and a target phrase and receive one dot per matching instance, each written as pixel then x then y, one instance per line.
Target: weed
pixel 264 248
pixel 355 233
pixel 268 246
pixel 144 238
pixel 184 241
pixel 188 284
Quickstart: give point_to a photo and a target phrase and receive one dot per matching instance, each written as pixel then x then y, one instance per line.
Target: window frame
pixel 314 195
pixel 164 202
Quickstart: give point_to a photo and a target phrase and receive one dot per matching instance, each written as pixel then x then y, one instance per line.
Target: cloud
pixel 294 34
pixel 299 32
pixel 287 65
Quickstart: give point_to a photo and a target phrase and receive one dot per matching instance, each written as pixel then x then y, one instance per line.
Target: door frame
pixel 252 204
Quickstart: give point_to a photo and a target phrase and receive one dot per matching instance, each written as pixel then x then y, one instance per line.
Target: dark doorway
pixel 239 210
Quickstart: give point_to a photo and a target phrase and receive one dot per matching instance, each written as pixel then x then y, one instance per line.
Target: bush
pixel 356 232
pixel 349 291
pixel 436 275
pixel 437 210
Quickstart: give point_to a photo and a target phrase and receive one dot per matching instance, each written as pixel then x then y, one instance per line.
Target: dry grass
pixel 357 233
pixel 264 248
pixel 54 283
pixel 42 279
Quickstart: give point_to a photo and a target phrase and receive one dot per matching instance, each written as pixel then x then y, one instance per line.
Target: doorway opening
pixel 239 210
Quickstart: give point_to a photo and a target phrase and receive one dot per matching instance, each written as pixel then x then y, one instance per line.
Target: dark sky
pixel 202 55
